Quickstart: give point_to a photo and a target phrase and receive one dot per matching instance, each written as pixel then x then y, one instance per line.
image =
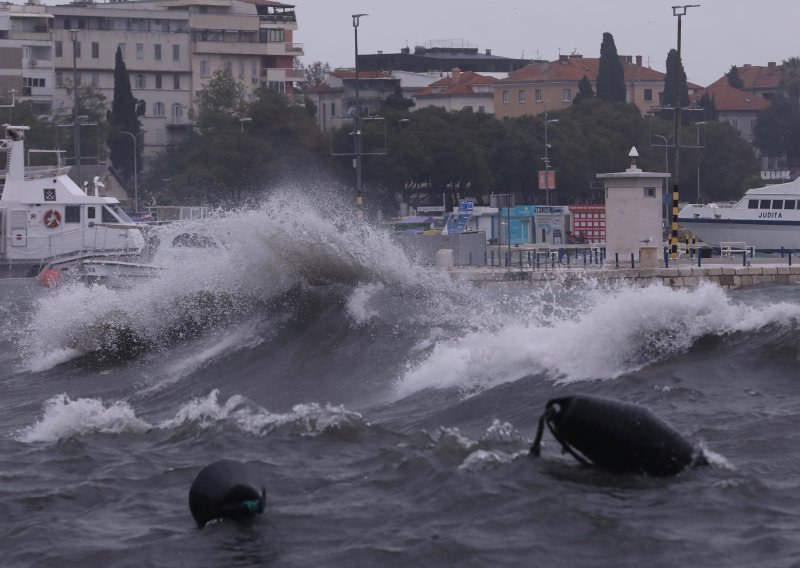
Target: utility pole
pixel 357 116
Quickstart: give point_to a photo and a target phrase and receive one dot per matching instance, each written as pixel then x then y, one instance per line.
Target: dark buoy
pixel 616 435
pixel 225 489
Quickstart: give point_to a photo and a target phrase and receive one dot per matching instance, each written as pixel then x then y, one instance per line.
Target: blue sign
pixel 466 206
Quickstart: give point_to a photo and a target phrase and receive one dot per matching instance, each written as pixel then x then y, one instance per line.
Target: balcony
pixel 35 63
pixel 282 75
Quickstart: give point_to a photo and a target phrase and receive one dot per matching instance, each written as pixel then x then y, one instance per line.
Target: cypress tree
pixel 123 118
pixel 674 67
pixel 610 74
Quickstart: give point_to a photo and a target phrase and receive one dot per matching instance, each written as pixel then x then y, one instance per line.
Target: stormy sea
pixel 387 408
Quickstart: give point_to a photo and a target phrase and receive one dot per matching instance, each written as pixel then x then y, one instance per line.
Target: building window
pixel 139 81
pixel 254 69
pixel 59 49
pixel 95 50
pixel 157 51
pixel 566 95
pixel 158 109
pixel 204 68
pixel 506 97
pixel 648 95
pixel 735 123
pixel 278 86
pixel 76 45
pixel 139 51
pixel 521 96
pixel 59 79
pixel 229 68
pixel 537 95
pixel 176 81
pixel 649 191
pixel 333 109
pixel 176 52
pixel 271 36
pixel 158 80
pixel 95 79
pixel 241 70
pixel 177 112
pixel 481 109
pixel 67 23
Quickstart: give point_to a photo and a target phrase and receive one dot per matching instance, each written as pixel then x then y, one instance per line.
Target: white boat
pixel 766 218
pixel 48 222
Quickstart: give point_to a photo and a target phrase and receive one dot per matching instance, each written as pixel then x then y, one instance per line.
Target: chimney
pixel 380 52
pixel 639 60
pixel 488 52
pixel 456 73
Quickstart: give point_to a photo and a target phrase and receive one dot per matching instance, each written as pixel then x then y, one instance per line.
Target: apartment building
pixel 26 55
pixel 556 83
pixel 460 90
pixel 171 50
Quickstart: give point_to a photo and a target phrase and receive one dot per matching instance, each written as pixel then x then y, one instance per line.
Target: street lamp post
pixel 357 117
pixel 73 36
pixel 665 209
pixel 135 167
pixel 243 120
pixel 678 11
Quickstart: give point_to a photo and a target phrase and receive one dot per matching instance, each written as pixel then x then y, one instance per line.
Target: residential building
pixel 442 57
pixel 459 91
pixel 555 83
pixel 26 55
pixel 737 107
pixel 760 80
pixel 171 51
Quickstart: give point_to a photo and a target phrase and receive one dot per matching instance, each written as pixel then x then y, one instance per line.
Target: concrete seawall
pixel 724 275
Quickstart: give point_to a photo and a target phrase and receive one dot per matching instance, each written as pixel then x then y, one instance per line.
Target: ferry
pixel 766 219
pixel 50 224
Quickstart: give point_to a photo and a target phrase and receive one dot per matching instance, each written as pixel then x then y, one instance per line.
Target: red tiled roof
pixel 760 77
pixel 348 74
pixel 730 99
pixel 572 69
pixel 461 84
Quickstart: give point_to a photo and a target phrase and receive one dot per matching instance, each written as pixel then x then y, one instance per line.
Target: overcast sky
pixel 715 35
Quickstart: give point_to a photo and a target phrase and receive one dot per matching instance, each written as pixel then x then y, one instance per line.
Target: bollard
pixel 633 264
pixel 699 261
pixel 485 258
pixel 492 258
pixel 781 251
pixel 529 258
pixel 666 257
pixel 616 259
pixel 744 258
pixel 537 260
pixel 790 258
pixel 567 260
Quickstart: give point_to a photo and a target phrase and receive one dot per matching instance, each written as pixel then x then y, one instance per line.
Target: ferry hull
pixel 765 235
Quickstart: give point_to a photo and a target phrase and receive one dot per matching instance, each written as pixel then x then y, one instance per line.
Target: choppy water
pixel 388 410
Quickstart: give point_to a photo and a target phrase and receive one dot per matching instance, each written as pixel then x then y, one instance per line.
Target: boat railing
pixel 74 241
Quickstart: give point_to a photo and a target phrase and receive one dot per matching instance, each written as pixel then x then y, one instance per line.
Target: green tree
pixel 610 74
pixel 777 130
pixel 734 78
pixel 585 91
pixel 221 102
pixel 674 72
pixel 123 118
pixel 790 79
pixel 315 74
pixel 728 166
pixel 397 101
pixel 709 108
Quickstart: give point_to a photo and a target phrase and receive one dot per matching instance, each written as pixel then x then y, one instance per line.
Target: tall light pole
pixel 73 36
pixel 135 168
pixel 677 11
pixel 243 120
pixel 546 156
pixel 357 115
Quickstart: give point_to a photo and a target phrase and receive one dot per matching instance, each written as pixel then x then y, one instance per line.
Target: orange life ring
pixel 52 219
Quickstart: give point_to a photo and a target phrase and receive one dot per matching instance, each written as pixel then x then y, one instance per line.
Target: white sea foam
pixel 609 333
pixel 64 417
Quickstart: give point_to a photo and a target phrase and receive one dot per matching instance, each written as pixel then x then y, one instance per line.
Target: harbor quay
pixel 726 273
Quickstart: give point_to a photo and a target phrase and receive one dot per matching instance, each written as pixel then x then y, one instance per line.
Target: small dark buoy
pixel 225 489
pixel 616 435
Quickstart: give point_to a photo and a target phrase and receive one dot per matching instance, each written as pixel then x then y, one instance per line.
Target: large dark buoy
pixel 225 489
pixel 616 435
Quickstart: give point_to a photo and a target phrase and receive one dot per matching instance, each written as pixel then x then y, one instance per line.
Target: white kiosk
pixel 633 213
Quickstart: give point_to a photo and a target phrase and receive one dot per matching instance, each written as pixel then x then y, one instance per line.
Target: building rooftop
pixel 730 99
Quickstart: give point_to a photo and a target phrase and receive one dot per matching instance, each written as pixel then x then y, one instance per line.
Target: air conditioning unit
pixel 33 62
